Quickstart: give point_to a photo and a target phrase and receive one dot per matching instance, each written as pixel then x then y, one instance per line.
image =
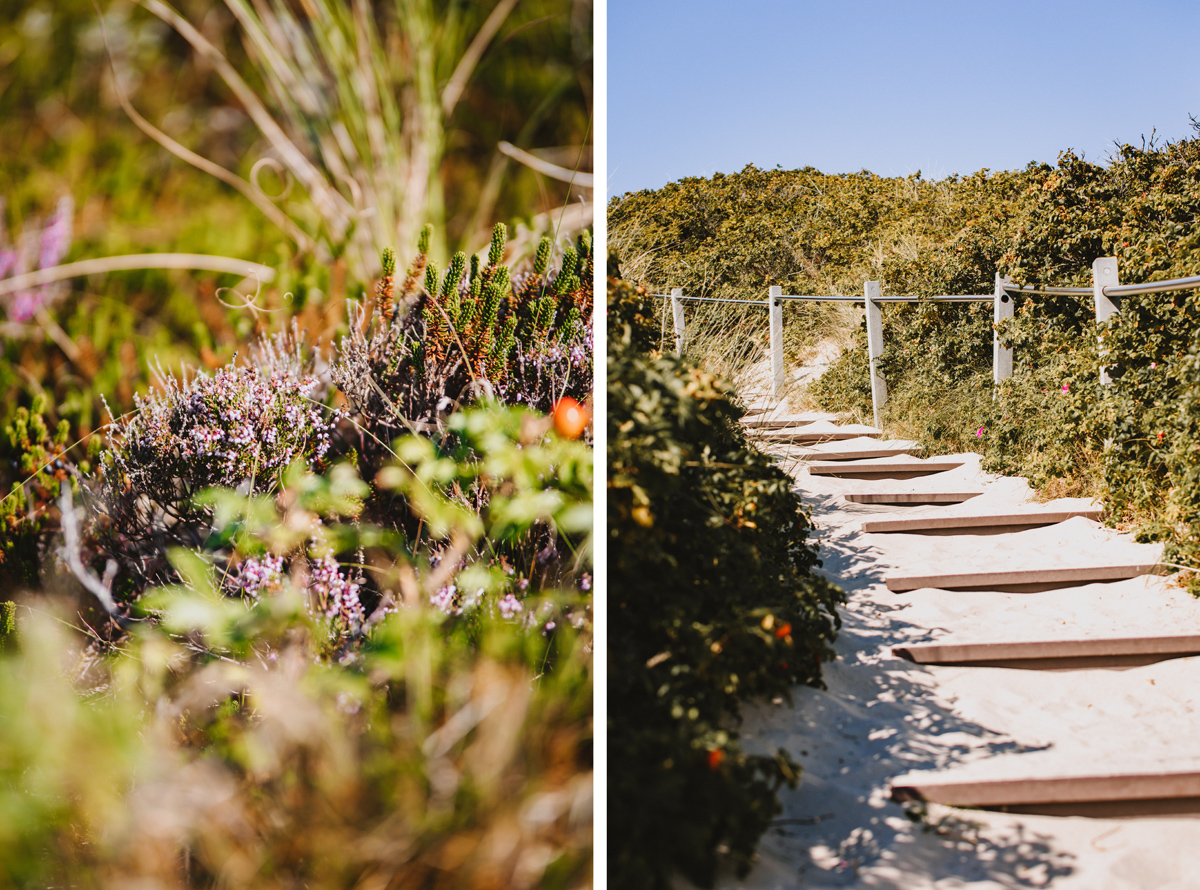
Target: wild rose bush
pixel 714 602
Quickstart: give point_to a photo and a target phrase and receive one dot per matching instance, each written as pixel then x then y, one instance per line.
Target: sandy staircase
pixel 999 654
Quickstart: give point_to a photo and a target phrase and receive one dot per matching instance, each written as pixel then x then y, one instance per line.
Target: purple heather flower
pixel 49 249
pixel 257 575
pixel 444 599
pixel 8 262
pixel 56 236
pixel 510 606
pixel 25 304
pixel 336 596
pixel 223 429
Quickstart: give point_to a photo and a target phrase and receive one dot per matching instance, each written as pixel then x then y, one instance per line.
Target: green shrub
pixel 8 626
pixel 846 383
pixel 713 601
pixel 632 311
pixel 444 741
pixel 1179 447
pixel 34 464
pixel 1044 225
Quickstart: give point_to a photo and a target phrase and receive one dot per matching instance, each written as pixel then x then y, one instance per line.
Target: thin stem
pixel 255 196
pixel 333 206
pixel 554 171
pixel 470 58
pixel 103 265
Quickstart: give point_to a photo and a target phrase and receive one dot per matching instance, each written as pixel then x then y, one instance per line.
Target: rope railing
pixel 1105 289
pixel 1113 290
pixel 844 298
pixel 849 298
pixel 1002 358
pixel 1151 287
pixel 1049 291
pixel 713 300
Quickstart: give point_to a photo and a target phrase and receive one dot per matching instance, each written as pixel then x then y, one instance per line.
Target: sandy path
pixel 883 717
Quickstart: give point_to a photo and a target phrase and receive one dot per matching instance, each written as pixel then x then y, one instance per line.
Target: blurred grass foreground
pixel 296 366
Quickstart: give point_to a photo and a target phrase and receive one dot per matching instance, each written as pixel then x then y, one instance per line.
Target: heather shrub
pixel 295 739
pixel 217 430
pixel 238 427
pixel 713 601
pixel 409 362
pixel 475 331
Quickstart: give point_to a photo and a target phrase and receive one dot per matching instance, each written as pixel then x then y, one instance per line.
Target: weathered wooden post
pixel 875 348
pixel 1003 308
pixel 677 314
pixel 1104 274
pixel 778 372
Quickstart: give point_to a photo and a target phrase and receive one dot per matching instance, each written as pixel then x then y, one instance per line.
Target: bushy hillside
pixel 1133 442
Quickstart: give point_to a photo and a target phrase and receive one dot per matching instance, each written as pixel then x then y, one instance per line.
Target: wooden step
pixel 1029 518
pixel 1046 578
pixel 784 421
pixel 911 497
pixel 845 451
pixel 819 431
pixel 1122 652
pixel 890 468
pixel 1099 795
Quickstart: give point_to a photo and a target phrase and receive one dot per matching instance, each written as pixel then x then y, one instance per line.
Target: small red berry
pixel 783 630
pixel 570 417
pixel 715 756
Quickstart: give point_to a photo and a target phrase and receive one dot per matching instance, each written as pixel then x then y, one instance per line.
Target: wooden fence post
pixel 875 348
pixel 1104 274
pixel 1001 357
pixel 677 314
pixel 778 372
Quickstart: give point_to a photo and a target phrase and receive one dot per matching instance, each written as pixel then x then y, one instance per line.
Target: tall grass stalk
pixel 354 106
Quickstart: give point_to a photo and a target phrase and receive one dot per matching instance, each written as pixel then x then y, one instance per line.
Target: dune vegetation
pixel 295 547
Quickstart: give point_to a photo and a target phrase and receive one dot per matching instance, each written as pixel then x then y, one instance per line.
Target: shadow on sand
pixel 879 718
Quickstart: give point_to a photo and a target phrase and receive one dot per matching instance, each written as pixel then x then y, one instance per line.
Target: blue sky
pixel 707 86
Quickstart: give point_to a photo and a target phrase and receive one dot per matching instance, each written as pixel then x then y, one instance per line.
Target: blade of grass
pixel 333 207
pixel 103 265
